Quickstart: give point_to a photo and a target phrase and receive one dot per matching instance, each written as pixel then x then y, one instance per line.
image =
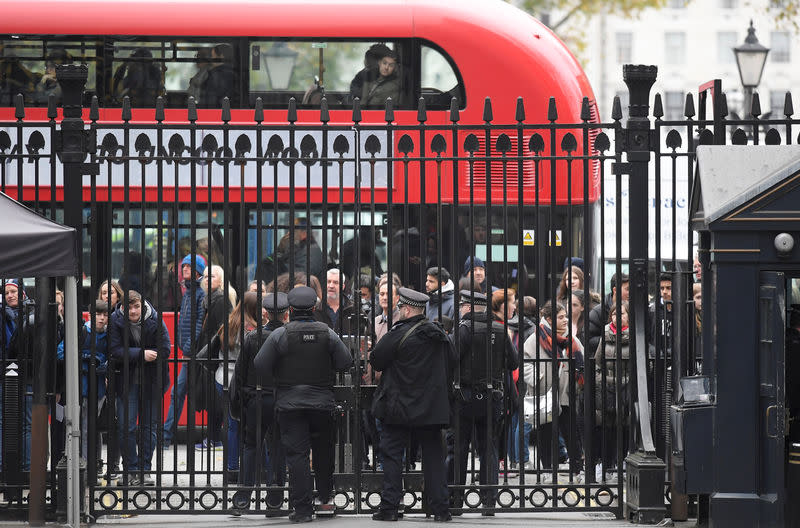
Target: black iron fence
pixel 191 216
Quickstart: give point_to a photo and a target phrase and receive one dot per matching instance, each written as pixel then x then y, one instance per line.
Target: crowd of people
pixel 462 367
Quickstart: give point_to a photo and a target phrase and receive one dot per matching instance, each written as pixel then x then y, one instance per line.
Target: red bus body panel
pixel 501 53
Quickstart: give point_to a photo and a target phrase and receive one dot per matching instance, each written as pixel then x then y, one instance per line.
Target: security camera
pixel 784 243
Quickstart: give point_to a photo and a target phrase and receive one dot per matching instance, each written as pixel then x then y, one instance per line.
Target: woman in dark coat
pixel 608 384
pixel 218 307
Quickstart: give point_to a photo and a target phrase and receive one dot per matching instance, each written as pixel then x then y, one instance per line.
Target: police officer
pixel 485 356
pixel 303 357
pixel 253 398
pixel 413 398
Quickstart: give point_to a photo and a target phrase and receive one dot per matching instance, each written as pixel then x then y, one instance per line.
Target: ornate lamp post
pixel 750 59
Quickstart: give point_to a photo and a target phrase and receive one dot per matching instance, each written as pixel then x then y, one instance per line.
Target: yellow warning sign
pixel 527 237
pixel 558 237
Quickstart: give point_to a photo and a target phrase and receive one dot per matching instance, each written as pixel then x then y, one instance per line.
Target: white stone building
pixel 691 43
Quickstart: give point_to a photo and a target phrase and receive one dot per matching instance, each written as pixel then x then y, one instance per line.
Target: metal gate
pixel 536 204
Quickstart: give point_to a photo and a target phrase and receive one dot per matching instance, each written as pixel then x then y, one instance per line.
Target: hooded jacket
pixel 154 336
pixel 188 336
pixel 447 302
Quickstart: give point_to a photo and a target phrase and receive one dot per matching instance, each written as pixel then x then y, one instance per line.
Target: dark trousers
pixel 260 425
pixel 370 435
pixel 303 431
pixel 484 418
pixel 605 443
pixel 544 441
pixel 394 439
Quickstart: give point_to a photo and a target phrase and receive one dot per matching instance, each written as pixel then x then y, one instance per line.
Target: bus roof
pixel 486 38
pixel 273 18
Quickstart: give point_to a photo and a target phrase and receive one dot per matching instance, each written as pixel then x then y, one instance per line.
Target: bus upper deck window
pixel 439 82
pixel 27 67
pixel 310 69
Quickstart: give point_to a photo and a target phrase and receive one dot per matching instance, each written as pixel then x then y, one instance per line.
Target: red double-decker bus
pixel 449 55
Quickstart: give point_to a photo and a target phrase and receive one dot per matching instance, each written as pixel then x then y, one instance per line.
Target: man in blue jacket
pixel 193 312
pixel 140 345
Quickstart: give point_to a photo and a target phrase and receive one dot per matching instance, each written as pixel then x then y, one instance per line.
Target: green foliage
pixel 786 12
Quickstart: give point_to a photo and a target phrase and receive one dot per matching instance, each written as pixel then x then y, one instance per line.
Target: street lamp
pixel 280 61
pixel 750 59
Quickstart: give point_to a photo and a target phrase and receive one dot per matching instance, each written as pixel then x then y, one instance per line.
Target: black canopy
pixel 33 246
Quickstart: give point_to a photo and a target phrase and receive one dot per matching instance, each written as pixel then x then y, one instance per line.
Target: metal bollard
pixel 61 486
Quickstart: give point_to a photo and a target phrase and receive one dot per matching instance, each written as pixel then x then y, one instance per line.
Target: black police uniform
pixel 303 357
pixel 485 356
pixel 256 395
pixel 413 397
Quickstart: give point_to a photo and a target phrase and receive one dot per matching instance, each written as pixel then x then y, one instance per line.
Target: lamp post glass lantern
pixel 750 59
pixel 280 60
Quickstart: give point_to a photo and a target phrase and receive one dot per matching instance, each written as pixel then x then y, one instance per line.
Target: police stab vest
pixel 478 368
pixel 308 361
pixel 253 378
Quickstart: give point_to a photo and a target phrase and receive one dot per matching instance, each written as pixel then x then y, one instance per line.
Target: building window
pixel 780 46
pixel 624 47
pixel 726 41
pixel 777 98
pixel 729 4
pixel 675 47
pixel 673 105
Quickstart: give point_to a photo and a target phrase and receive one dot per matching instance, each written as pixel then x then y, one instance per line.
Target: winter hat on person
pixel 199 263
pixel 574 261
pixel 472 262
pixel 15 283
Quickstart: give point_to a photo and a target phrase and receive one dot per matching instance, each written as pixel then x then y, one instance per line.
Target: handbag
pixel 539 408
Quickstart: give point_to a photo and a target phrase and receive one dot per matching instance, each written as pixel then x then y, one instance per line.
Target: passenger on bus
pixel 48 85
pixel 371 248
pixel 370 71
pixel 302 252
pixel 141 80
pixel 14 78
pixel 221 81
pixel 199 79
pixel 386 83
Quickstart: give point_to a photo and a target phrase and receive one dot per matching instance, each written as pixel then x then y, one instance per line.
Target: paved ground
pixel 534 520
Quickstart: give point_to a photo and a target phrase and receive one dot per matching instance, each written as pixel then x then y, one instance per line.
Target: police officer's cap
pixel 302 298
pixel 412 298
pixel 269 302
pixel 472 297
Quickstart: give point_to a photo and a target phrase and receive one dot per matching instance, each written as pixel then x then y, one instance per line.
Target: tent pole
pixel 73 397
